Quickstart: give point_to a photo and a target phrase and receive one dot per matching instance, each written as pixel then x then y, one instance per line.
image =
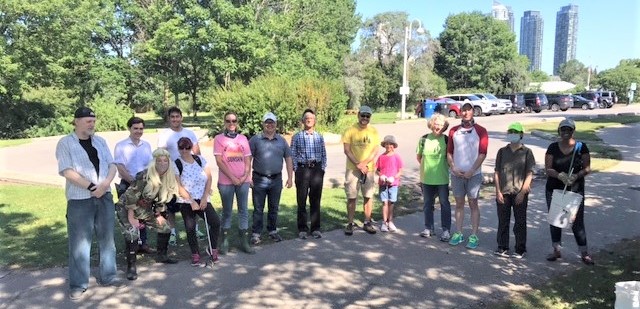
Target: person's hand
pixel 134 222
pixel 100 190
pixel 289 183
pixel 390 179
pixel 203 204
pixel 564 178
pixel 236 181
pixel 194 205
pixel 468 174
pixel 573 178
pixel 383 178
pixel 161 220
pixel 499 197
pixel 362 167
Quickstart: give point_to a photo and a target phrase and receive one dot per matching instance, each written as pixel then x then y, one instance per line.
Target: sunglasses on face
pixel 365 115
pixel 231 120
pixel 566 129
pixel 185 148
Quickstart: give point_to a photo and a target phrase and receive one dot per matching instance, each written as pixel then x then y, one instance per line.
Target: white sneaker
pixel 384 227
pixel 392 227
pixel 426 233
pixel 445 236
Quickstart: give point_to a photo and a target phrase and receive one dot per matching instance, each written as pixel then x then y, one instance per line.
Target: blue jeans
pixel 83 216
pixel 429 195
pixel 241 193
pixel 264 187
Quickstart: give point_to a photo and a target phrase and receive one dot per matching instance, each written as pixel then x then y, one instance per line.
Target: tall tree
pixel 575 72
pixel 479 52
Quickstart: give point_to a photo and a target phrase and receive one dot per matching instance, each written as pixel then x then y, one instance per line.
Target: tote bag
pixel 564 207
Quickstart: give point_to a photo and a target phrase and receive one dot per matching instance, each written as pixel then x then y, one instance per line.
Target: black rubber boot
pixel 224 242
pixel 244 242
pixel 163 245
pixel 132 248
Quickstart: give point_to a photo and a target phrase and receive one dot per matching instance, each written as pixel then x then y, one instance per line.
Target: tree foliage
pixel 620 78
pixel 573 71
pixel 479 52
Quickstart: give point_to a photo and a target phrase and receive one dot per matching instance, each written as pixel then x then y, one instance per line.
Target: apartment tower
pixel 566 36
pixel 531 26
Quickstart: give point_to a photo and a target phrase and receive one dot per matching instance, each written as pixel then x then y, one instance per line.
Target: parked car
pixel 535 101
pixel 480 106
pixel 448 107
pixel 605 99
pixel 559 101
pixel 517 101
pixel 504 106
pixel 582 102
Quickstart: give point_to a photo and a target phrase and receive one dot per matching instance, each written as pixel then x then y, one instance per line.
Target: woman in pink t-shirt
pixel 233 156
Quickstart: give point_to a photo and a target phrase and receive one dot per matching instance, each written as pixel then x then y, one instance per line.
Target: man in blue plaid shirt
pixel 309 162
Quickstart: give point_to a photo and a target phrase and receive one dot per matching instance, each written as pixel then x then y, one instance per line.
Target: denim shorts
pixel 389 193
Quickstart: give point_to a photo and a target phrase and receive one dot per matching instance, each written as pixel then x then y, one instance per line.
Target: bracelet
pixel 91 187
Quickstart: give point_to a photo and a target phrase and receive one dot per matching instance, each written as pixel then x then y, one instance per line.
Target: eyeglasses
pixel 185 148
pixel 365 115
pixel 231 120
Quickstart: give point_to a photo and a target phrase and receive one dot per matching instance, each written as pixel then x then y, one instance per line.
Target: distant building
pixel 566 36
pixel 531 26
pixel 503 13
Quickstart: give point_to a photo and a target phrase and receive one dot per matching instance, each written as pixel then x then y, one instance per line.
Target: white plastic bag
pixel 627 295
pixel 564 207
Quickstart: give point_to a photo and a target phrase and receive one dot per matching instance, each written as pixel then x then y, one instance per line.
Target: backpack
pixel 179 163
pixel 424 138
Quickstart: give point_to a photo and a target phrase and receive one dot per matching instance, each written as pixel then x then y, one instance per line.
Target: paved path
pixel 391 270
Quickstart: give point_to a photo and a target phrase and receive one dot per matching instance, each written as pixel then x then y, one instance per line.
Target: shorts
pixel 389 193
pixel 352 184
pixel 173 207
pixel 461 186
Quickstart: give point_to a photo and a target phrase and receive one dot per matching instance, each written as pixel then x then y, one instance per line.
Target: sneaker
pixel 518 255
pixel 275 236
pixel 213 255
pixel 302 235
pixel 501 253
pixel 587 259
pixel 348 230
pixel 200 235
pixel 369 228
pixel 114 283
pixel 456 239
pixel 255 238
pixel 445 236
pixel 426 233
pixel 554 256
pixel 172 240
pixel 195 260
pixel 76 294
pixel 316 234
pixel 392 227
pixel 384 227
pixel 473 242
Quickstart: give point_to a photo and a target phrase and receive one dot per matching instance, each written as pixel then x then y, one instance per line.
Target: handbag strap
pixel 577 147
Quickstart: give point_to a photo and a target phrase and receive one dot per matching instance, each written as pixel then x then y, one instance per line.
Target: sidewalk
pixel 392 269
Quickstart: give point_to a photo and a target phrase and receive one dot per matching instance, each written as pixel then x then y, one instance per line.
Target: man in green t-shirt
pixel 361 142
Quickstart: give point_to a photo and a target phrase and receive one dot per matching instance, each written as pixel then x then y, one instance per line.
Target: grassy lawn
pixel 14 142
pixel 34 235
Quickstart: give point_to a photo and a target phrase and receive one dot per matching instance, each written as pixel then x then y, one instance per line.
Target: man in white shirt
pixel 131 156
pixel 168 139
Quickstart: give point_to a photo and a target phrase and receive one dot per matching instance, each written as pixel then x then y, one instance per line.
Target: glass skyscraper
pixel 566 36
pixel 531 26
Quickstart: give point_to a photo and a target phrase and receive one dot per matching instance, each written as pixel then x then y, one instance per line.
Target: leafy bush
pixel 283 96
pixel 110 115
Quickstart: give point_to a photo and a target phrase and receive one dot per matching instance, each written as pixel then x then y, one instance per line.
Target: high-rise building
pixel 566 36
pixel 531 26
pixel 503 13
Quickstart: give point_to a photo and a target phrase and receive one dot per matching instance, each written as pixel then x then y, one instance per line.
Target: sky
pixel 608 30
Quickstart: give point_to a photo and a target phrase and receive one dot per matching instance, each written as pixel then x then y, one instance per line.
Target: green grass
pixel 34 235
pixel 14 142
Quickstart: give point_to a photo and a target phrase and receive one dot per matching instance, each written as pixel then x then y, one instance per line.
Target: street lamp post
pixel 404 90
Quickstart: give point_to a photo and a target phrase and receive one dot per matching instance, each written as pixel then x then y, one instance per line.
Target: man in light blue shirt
pixel 85 161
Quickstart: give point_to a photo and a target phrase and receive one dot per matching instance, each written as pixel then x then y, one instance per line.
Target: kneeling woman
pixel 144 205
pixel 195 190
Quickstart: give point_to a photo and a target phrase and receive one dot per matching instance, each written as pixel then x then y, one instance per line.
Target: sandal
pixel 586 258
pixel 554 256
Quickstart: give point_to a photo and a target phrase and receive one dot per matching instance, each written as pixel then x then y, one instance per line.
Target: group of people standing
pixel 176 177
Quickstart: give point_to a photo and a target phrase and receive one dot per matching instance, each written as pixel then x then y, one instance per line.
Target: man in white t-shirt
pixel 168 139
pixel 131 156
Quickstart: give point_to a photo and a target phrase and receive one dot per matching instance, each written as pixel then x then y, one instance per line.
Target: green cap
pixel 516 126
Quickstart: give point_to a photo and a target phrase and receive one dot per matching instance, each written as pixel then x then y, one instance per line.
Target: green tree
pixel 620 78
pixel 573 71
pixel 479 52
pixel 538 76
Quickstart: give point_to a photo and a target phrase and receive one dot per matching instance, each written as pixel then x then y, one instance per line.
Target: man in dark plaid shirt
pixel 309 162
